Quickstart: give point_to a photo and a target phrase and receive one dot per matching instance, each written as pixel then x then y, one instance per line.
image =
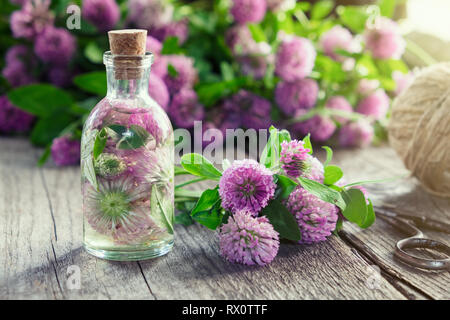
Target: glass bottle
pixel 127 163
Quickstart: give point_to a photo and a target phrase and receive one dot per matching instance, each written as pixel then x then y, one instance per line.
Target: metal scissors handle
pixel 417 239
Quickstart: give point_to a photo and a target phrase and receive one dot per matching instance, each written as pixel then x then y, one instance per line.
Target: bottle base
pixel 130 255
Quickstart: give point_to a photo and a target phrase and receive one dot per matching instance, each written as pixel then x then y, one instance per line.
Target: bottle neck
pixel 127 85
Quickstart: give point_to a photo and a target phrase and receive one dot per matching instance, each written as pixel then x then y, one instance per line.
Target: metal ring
pixel 424 263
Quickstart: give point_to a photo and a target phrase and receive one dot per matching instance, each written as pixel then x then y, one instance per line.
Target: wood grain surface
pixel 405 194
pixel 41 236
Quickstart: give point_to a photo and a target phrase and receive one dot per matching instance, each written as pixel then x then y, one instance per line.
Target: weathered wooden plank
pixel 405 194
pixel 327 270
pixel 409 292
pixel 26 228
pixel 41 234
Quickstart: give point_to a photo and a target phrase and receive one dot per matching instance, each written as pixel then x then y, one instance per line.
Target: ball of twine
pixel 419 129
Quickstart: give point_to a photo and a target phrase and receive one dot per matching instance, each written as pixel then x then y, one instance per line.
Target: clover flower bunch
pixel 289 194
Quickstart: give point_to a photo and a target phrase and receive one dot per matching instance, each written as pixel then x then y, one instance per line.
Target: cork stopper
pixel 127 41
pixel 129 45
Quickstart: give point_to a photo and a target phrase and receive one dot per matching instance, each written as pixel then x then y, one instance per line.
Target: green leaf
pixel 330 70
pixel 370 218
pixel 42 100
pixel 270 156
pixel 183 193
pixel 226 164
pixel 139 137
pixel 198 165
pixel 88 104
pixel 281 22
pixel 332 174
pixel 307 143
pixel 207 200
pixel 387 83
pixel 321 9
pixel 353 17
pixel 282 220
pixel 170 46
pixel 184 218
pixel 269 77
pixel 172 71
pixel 323 192
pixel 283 135
pixel 360 183
pixel 118 129
pixel 93 53
pixel 329 155
pixel 210 93
pixel 92 82
pixel 100 142
pixel 87 161
pixel 203 21
pixel 335 187
pixel 303 6
pixel 188 182
pixel 346 53
pixel 71 129
pixel 46 129
pixel 44 157
pixel 286 185
pixel 130 138
pixel 158 207
pixel 387 7
pixel 366 67
pixel 257 32
pixel 180 171
pixel 226 71
pixel 210 218
pixel 388 66
pixel 356 207
pixel 79 110
pixel 86 28
pixel 339 225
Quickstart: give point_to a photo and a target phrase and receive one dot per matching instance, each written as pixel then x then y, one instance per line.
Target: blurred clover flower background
pixel 316 68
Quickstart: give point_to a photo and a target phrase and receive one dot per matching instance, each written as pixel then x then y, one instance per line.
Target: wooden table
pixel 41 236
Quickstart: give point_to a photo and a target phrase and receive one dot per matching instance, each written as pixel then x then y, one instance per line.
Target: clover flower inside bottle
pixel 127 160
